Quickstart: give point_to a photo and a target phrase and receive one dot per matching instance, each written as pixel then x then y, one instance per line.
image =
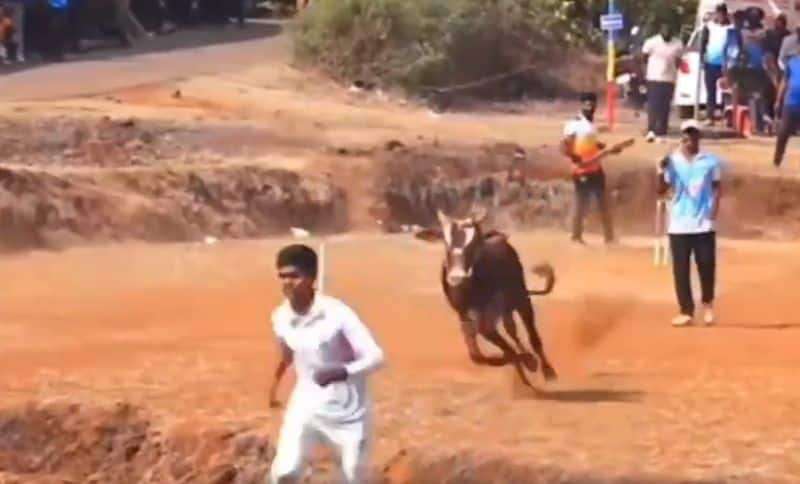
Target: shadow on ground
pixel 576 395
pixel 588 395
pixel 768 326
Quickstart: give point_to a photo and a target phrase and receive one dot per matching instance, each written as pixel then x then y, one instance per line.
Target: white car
pixel 690 83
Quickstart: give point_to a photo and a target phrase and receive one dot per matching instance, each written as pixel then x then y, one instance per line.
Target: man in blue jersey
pixel 694 179
pixel 712 50
pixel 788 106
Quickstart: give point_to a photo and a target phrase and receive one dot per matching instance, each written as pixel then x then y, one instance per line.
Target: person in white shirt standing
pixel 663 55
pixel 333 352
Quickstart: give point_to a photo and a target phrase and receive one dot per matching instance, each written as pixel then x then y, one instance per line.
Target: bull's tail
pixel 546 271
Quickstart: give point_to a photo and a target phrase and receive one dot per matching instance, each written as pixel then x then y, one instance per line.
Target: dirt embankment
pixel 43 210
pixel 66 442
pixel 116 180
pixel 105 181
pixel 532 189
pixel 59 142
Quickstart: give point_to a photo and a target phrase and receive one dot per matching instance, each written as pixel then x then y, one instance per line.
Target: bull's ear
pixel 429 235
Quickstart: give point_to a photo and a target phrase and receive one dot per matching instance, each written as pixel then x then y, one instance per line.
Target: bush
pixel 423 44
pixel 419 43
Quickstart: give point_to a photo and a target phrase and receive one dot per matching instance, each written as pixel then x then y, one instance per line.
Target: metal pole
pixel 611 92
pixel 321 272
pixel 301 233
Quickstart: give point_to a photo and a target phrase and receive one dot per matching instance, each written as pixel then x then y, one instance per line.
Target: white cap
pixel 690 124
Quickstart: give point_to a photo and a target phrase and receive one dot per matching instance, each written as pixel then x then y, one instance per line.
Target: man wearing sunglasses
pixel 333 352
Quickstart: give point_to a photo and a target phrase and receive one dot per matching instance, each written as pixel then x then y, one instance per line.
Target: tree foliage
pixel 579 19
pixel 416 43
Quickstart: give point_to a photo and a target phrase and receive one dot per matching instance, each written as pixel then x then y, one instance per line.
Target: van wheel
pixel 686 112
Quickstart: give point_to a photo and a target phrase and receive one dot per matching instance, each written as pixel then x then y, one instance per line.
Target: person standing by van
pixel 663 54
pixel 712 51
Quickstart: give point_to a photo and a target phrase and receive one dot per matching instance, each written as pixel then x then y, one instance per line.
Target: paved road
pixel 183 54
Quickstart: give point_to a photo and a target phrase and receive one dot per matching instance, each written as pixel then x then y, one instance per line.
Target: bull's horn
pixel 443 219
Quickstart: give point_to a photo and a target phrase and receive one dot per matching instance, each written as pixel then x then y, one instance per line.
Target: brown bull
pixel 483 280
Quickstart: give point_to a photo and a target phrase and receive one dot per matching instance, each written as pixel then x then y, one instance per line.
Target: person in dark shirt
pixel 772 49
pixel 755 80
pixel 788 104
pixel 775 36
pixel 57 37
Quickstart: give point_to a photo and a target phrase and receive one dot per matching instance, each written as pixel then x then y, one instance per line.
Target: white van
pixel 686 87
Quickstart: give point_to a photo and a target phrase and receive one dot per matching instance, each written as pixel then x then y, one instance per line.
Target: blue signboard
pixel 611 22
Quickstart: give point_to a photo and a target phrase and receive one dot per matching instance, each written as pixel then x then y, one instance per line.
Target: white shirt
pixel 329 334
pixel 584 145
pixel 662 58
pixel 580 126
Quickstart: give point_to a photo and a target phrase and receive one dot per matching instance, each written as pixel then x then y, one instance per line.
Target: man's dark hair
pixel 588 96
pixel 693 132
pixel 300 256
pixel 722 8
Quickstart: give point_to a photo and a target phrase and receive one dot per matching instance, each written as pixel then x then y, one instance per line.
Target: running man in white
pixel 333 352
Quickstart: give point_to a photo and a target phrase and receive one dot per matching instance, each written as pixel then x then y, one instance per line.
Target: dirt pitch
pixel 182 331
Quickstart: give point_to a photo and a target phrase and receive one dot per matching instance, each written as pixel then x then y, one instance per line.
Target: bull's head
pixel 462 239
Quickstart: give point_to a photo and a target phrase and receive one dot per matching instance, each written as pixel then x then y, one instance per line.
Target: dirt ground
pixel 182 332
pixel 128 361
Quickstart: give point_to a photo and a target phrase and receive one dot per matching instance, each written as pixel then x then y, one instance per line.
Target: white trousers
pixel 298 436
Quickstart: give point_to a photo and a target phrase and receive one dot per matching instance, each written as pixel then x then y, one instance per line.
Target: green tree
pixel 580 18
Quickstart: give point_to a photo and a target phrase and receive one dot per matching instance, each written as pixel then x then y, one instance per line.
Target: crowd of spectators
pixel 50 29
